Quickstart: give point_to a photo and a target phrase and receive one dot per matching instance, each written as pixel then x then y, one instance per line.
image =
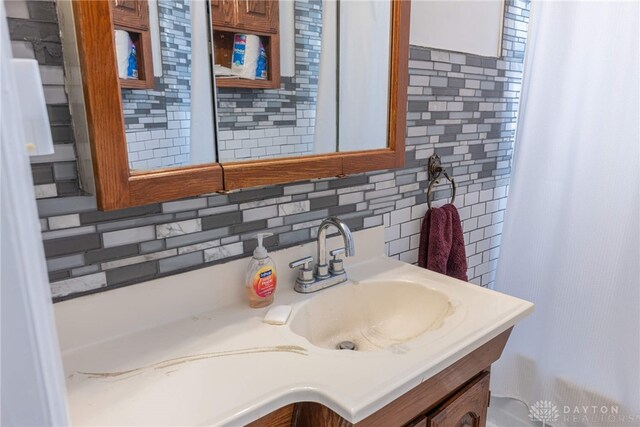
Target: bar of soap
pixel 277 315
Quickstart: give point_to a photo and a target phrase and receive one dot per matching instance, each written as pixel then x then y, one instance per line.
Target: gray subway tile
pixel 100 255
pixel 70 245
pixel 184 205
pixel 133 222
pixel 65 263
pixel 348 181
pixel 130 235
pixel 98 216
pixel 221 220
pixel 323 202
pixel 65 205
pixel 305 217
pixel 42 174
pixel 180 262
pixel 132 273
pixel 249 226
pixel 68 232
pixel 298 236
pixel 257 194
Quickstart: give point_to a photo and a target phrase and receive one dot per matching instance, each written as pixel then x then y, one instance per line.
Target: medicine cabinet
pixel 156 118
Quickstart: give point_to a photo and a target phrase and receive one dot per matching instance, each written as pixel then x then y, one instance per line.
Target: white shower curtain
pixel 571 234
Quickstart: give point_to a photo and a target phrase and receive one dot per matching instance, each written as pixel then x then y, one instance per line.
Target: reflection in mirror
pixel 256 123
pixel 365 26
pixel 331 97
pixel 165 76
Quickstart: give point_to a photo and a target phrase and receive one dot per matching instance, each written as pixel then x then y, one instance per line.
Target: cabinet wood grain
pixel 467 408
pixel 133 16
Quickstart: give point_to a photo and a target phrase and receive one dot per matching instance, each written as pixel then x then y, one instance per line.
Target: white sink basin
pixel 373 315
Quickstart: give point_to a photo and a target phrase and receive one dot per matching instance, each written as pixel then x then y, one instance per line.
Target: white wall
pixel 458 25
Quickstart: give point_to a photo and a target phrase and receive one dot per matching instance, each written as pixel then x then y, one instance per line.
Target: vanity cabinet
pixel 457 396
pixel 466 408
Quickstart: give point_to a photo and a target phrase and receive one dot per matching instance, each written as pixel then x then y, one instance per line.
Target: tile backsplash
pixel 461 106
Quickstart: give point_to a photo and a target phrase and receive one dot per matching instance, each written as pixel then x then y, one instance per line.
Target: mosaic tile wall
pixel 461 106
pixel 157 120
pixel 260 124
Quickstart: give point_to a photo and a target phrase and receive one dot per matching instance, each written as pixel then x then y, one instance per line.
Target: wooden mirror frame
pixel 117 187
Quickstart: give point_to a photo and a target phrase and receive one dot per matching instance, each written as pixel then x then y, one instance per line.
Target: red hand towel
pixel 442 243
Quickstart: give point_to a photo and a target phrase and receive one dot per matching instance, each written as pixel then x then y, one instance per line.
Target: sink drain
pixel 347 345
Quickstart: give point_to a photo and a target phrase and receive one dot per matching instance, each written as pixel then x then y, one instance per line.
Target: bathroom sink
pixel 370 316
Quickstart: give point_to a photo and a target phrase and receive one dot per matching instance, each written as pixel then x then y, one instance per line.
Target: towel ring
pixel 435 181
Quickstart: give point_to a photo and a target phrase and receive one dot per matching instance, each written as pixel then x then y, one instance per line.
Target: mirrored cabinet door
pixel 256 123
pixel 334 79
pixel 167 99
pixel 364 74
pixel 143 109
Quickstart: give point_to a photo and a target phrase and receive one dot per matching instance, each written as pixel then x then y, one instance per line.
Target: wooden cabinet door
pixel 258 15
pixel 223 13
pixel 131 13
pixel 467 408
pixel 422 422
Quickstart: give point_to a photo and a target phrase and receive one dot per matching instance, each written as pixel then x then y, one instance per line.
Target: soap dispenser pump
pixel 261 276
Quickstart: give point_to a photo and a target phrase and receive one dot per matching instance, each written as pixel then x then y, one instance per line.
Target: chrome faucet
pixel 326 275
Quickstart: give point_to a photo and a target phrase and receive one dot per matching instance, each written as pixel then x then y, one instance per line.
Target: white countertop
pixel 227 367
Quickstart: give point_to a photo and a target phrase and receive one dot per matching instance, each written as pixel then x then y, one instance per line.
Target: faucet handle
pixel 334 253
pixel 335 265
pixel 305 274
pixel 302 261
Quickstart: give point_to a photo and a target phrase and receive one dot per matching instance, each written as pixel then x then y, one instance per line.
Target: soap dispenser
pixel 261 276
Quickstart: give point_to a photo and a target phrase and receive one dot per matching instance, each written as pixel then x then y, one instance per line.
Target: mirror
pixel 164 71
pixel 152 97
pixel 315 93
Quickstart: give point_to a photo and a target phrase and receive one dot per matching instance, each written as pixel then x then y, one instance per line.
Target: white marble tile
pixel 79 284
pixel 138 259
pixel 45 190
pixel 64 221
pixel 217 210
pixel 226 251
pixel 309 224
pixel 178 228
pixel 265 202
pixel 294 208
pixel 199 247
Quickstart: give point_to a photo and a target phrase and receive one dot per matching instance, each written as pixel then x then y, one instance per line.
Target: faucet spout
pixel 344 230
pixel 325 275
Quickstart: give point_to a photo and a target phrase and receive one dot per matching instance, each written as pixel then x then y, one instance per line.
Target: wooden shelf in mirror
pixel 258 17
pixel 223 52
pixel 142 42
pixel 132 16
